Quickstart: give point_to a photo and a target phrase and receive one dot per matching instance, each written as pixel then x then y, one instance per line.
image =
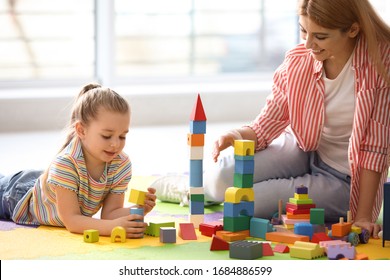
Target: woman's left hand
pixel 373 228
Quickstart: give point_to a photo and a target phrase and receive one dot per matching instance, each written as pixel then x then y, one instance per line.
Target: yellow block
pixel 137 197
pixel 301 196
pixel 236 195
pixel 118 232
pixel 244 147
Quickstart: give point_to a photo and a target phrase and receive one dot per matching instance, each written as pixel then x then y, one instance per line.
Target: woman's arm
pixel 369 182
pixel 69 212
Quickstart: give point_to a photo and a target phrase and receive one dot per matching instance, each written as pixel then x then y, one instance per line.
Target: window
pixel 121 40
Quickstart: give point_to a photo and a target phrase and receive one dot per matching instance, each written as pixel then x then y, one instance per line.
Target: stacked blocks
pixel 298 208
pixel 239 199
pixel 195 141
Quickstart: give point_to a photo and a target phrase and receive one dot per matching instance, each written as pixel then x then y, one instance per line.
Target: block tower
pixel 239 199
pixel 298 208
pixel 195 141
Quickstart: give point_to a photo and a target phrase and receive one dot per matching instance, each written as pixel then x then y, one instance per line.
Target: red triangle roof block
pixel 218 244
pixel 197 111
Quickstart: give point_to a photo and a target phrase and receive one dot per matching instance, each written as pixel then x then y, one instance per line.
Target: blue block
pixel 196 173
pixel 244 208
pixel 259 227
pixel 304 228
pixel 237 157
pixel 196 207
pixel 198 127
pixel 244 166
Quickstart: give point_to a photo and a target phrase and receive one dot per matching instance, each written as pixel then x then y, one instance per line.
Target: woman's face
pixel 326 43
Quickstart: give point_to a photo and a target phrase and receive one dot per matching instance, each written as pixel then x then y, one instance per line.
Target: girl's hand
pixel 133 224
pixel 150 200
pixel 373 228
pixel 226 140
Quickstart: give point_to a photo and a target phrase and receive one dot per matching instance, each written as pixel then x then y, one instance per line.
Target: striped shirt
pixel 297 103
pixel 68 170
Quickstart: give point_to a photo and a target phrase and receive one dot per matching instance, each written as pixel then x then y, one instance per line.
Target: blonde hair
pixel 341 14
pixel 86 106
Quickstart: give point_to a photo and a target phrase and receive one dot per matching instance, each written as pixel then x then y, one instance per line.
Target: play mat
pixel 45 242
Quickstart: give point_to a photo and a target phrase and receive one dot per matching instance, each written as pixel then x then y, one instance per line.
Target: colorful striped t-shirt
pixel 68 170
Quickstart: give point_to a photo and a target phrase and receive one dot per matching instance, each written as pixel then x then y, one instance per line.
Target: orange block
pixel 285 237
pixel 361 256
pixel 297 216
pixel 341 229
pixel 195 140
pixel 232 236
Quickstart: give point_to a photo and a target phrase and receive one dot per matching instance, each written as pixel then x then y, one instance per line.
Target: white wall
pixel 48 108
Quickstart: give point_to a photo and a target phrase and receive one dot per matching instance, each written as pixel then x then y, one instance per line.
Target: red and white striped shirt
pixel 297 103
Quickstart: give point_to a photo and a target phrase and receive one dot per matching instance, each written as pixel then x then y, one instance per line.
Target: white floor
pixel 153 150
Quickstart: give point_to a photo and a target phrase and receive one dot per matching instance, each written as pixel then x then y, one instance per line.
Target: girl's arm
pixel 69 212
pixel 369 182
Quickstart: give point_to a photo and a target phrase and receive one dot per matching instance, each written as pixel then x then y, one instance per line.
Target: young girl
pixel 326 123
pixel 90 172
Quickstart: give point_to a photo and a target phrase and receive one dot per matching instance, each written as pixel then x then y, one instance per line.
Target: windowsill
pixel 164 103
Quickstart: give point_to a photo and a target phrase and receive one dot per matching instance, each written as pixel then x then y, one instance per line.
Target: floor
pixel 154 150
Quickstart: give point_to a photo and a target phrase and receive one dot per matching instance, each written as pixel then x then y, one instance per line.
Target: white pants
pixel 278 170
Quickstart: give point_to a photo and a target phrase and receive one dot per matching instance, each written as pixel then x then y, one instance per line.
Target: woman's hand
pixel 373 228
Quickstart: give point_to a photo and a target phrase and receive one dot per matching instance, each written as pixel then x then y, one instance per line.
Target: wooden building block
pixel 210 229
pixel 187 231
pixel 243 180
pixel 196 152
pixel 244 147
pixel 306 250
pixel 91 235
pixel 196 190
pixel 244 166
pixel 137 196
pixel 167 234
pixel 245 250
pixel 234 224
pixel 233 236
pixel 153 229
pixel 196 173
pixel 281 248
pixel 259 227
pixel 244 208
pixel 198 113
pixel 196 207
pixel 317 216
pixel 341 229
pixel 198 127
pixel 301 196
pixel 118 234
pixel 304 228
pixel 301 189
pixel 195 140
pixel 285 237
pixel 218 244
pixel 267 249
pixel 196 219
pixel 236 195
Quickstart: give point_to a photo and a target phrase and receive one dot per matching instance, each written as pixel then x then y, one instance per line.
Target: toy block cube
pixel 210 229
pixel 195 139
pixel 196 152
pixel 198 127
pixel 301 190
pixel 153 229
pixel 218 244
pixel 234 224
pixel 91 235
pixel 301 196
pixel 118 233
pixel 304 229
pixel 243 180
pixel 244 208
pixel 167 234
pixel 187 231
pixel 317 216
pixel 259 227
pixel 197 190
pixel 197 197
pixel 244 166
pixel 244 147
pixel 245 250
pixel 137 196
pixel 196 219
pixel 196 207
pixel 236 195
pixel 196 173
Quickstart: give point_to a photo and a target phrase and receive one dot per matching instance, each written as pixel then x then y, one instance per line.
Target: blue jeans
pixel 13 188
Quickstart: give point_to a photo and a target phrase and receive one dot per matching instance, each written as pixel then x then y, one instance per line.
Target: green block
pixel 243 180
pixel 91 235
pixel 153 229
pixel 317 216
pixel 301 201
pixel 197 197
pixel 234 224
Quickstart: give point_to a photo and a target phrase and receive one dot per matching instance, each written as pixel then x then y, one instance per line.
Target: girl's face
pixel 326 44
pixel 105 137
